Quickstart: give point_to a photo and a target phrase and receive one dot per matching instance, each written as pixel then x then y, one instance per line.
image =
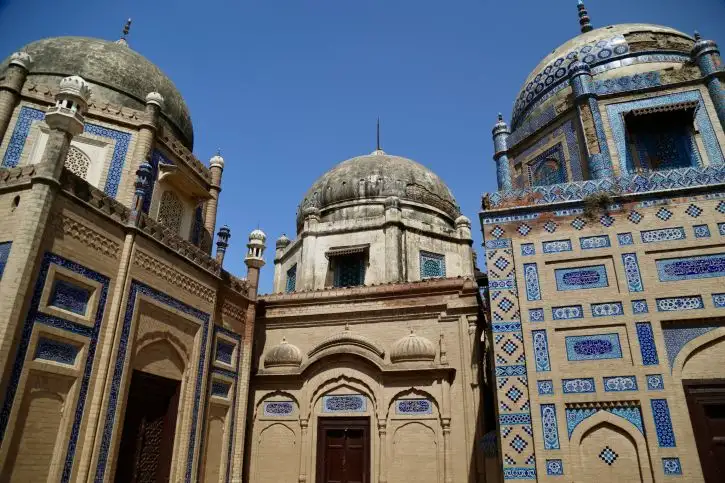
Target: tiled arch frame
pixel 607 418
pixel 617 111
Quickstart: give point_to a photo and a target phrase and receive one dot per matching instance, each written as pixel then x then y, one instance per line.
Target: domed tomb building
pixel 606 262
pixel 122 342
pixel 368 353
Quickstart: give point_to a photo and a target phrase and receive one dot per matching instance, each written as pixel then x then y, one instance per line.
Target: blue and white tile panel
pixel 593 347
pixel 580 278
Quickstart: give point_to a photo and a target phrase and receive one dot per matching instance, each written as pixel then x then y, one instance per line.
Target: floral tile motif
pixel 541 350
pixel 593 347
pixel 701 231
pixel 536 315
pixel 574 416
pixel 545 387
pixel 718 300
pixel 671 466
pixel 647 345
pixel 663 423
pixel 721 228
pixel 567 312
pixel 556 246
pixel 640 307
pixel 578 386
pixel 676 304
pixel 631 270
pixel 663 235
pixel 655 382
pixel 528 249
pixel 607 309
pixel 625 239
pixel 554 467
pixel 593 242
pixel 531 278
pixel 549 426
pixel 620 383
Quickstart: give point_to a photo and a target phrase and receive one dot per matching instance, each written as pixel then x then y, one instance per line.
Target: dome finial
pixel 377 151
pixel 697 35
pixel 584 20
pixel 126 30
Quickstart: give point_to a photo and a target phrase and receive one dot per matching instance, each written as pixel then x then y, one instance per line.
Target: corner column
pixel 11 86
pixel 309 232
pixel 304 423
pixel 707 57
pixel 590 120
pixel 216 167
pixel 383 435
pixel 393 240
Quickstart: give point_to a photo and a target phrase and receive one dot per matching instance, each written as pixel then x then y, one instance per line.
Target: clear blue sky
pixel 289 88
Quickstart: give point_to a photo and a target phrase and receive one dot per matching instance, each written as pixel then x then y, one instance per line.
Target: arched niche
pixel 161 358
pixel 606 447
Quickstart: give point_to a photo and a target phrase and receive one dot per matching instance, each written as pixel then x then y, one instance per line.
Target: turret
pixel 216 167
pixel 11 85
pixel 706 55
pixel 71 104
pixel 501 133
pixel 255 258
pixel 222 242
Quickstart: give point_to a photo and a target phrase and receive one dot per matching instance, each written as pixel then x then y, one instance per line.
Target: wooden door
pixel 343 450
pixel 706 402
pixel 147 441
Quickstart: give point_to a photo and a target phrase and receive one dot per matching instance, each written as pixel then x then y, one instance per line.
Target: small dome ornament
pixel 282 242
pixel 413 348
pixel 217 160
pixel 578 67
pixel 155 98
pixel 463 221
pixel 22 59
pixel 257 234
pixel 75 86
pixel 283 354
pixel 500 127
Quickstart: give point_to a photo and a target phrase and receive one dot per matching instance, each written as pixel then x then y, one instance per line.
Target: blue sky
pixel 289 88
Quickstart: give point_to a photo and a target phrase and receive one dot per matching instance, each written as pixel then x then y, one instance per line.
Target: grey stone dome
pixel 379 175
pixel 117 74
pixel 601 47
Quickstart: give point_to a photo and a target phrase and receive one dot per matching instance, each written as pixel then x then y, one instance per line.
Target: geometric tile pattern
pixel 663 423
pixel 20 133
pixel 556 246
pixel 655 382
pixel 678 334
pixel 608 455
pixel 647 344
pixel 663 234
pixel 591 242
pixel 694 211
pixel 640 307
pixel 664 214
pixel 578 386
pixel 514 413
pixel 634 216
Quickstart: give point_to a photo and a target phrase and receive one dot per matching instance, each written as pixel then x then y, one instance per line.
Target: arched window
pixel 548 172
pixel 77 162
pixel 171 211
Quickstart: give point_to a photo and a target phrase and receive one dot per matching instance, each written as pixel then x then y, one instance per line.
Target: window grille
pixel 432 265
pixel 291 279
pixel 77 162
pixel 171 211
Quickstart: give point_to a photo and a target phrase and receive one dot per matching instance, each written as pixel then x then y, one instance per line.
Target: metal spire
pixel 584 20
pixel 378 137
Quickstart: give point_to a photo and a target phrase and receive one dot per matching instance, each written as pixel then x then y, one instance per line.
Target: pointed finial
pixel 378 137
pixel 500 117
pixel 697 35
pixel 584 20
pixel 126 30
pixel 218 151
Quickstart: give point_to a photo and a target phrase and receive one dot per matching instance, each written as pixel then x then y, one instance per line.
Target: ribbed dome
pixel 597 47
pixel 283 354
pixel 413 347
pixel 117 74
pixel 379 175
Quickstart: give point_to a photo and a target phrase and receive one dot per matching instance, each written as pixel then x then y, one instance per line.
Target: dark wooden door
pixel 147 441
pixel 343 450
pixel 706 402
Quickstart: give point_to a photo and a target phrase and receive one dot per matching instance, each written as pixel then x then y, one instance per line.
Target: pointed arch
pixel 693 347
pixel 412 391
pixel 273 394
pixel 605 419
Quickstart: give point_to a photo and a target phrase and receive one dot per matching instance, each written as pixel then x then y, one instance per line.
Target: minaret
pixel 280 247
pixel 255 259
pixel 584 20
pixel 216 167
pixel 590 119
pixel 706 55
pixel 501 133
pixel 11 85
pixel 222 243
